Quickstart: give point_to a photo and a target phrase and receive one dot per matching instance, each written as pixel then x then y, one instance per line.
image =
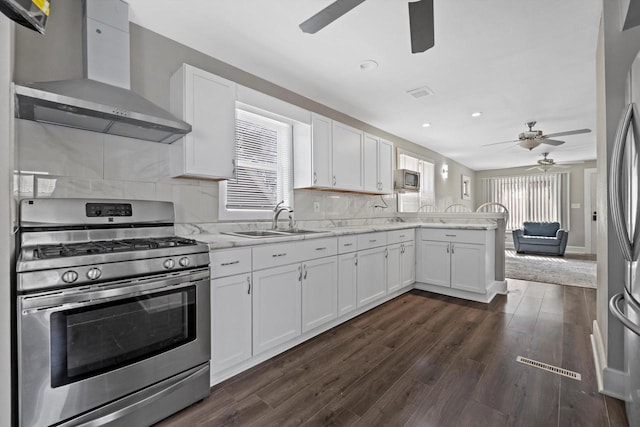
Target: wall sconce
pixel 445 171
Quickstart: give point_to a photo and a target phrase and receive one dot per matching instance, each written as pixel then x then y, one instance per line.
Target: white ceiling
pixel 514 60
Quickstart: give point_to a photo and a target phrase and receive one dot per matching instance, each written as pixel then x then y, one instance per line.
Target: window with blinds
pixel 542 197
pixel 411 202
pixel 263 165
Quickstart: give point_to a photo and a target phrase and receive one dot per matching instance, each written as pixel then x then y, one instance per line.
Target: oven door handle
pixel 146 401
pixel 57 303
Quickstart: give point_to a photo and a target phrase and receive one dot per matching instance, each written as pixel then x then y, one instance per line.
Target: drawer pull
pixel 279 255
pixel 225 264
pixel 401 236
pixel 348 244
pixel 321 249
pixel 450 235
pixel 373 240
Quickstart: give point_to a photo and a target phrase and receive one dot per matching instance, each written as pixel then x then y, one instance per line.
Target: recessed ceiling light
pixel 368 65
pixel 426 125
pixel 476 114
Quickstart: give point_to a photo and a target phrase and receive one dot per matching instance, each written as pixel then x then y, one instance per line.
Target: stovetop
pixel 108 246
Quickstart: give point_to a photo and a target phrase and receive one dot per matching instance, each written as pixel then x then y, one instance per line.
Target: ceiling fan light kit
pixel 420 21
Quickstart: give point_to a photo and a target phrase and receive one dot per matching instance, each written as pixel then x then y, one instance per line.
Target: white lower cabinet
pixel 434 266
pixel 394 267
pixel 230 321
pixel 468 267
pixel 319 292
pixel 408 263
pixel 371 275
pixel 276 306
pixel 347 282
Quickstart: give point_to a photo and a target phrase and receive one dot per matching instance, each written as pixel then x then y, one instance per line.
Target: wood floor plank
pixel 428 359
pixel 616 412
pixel 443 406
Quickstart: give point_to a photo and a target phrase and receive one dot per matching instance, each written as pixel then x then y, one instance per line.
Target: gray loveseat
pixel 541 238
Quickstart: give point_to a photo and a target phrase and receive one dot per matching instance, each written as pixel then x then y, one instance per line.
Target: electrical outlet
pixel 316 207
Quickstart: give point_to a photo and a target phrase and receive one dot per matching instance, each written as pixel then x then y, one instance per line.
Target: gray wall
pixel 576 194
pixel 155 58
pixel 6 229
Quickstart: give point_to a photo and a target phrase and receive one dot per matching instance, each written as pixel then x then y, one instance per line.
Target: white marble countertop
pixel 226 241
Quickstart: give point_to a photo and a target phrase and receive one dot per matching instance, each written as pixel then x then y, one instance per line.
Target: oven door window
pixel 95 339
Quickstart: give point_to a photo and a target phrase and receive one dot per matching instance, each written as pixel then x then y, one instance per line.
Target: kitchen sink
pixel 255 234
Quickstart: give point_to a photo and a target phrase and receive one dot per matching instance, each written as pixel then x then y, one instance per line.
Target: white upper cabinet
pixel 377 165
pixel 347 153
pixel 207 102
pixel 312 162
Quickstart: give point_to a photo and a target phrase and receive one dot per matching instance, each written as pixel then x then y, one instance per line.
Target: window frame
pixel 225 214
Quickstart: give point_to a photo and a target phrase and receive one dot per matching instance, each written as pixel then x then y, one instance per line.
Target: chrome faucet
pixel 277 210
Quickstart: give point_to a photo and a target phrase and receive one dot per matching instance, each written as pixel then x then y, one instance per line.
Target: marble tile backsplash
pixel 55 161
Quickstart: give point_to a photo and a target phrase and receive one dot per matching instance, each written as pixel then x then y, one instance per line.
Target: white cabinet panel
pixel 385 166
pixel 319 292
pixel 321 151
pixel 468 267
pixel 394 267
pixel 434 266
pixel 370 164
pixel 230 321
pixel 207 102
pixel 347 150
pixel 276 306
pixel 347 282
pixel 372 273
pixel 408 263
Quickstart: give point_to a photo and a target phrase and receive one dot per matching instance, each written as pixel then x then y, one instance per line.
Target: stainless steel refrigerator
pixel 624 200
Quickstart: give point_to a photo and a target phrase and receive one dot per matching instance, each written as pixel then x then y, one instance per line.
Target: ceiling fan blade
pixel 570 132
pixel 553 142
pixel 503 142
pixel 421 25
pixel 535 167
pixel 327 15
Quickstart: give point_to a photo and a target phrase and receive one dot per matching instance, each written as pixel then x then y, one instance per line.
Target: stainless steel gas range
pixel 113 313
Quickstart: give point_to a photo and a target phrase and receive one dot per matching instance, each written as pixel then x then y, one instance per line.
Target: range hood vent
pixel 102 102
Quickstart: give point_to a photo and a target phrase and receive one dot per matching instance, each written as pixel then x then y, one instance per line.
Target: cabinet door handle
pixel 248 285
pixel 334 180
pixel 356 258
pixel 452 247
pixel 402 248
pixel 305 272
pixel 386 253
pixel 279 255
pixel 348 244
pixel 225 264
pixel 450 235
pixel 300 273
pixel 315 177
pixel 448 248
pixel 321 249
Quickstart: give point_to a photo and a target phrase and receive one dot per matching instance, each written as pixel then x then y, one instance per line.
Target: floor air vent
pixel 550 368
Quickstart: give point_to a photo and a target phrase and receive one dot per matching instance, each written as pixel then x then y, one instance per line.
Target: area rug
pixel 568 270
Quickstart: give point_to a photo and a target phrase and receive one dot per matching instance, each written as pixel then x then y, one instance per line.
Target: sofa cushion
pixel 539 240
pixel 545 229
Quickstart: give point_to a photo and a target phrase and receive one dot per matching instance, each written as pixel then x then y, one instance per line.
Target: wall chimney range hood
pixel 102 102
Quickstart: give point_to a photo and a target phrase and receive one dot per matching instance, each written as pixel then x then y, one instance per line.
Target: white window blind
pixel 540 197
pixel 263 165
pixel 411 202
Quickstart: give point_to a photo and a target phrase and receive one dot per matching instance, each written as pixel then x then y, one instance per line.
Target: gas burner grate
pixel 108 246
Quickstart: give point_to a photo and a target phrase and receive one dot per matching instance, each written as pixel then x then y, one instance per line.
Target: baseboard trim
pixel 611 382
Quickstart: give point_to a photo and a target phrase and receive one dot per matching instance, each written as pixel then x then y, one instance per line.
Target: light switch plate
pixel 575 205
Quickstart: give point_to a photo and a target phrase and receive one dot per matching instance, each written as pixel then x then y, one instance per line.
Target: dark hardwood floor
pixel 428 360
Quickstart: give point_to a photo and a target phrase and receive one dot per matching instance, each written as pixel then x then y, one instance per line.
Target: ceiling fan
pixel 532 138
pixel 546 163
pixel 420 21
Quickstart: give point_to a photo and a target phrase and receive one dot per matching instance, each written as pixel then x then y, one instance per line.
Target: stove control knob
pixel 169 264
pixel 69 276
pixel 184 262
pixel 94 274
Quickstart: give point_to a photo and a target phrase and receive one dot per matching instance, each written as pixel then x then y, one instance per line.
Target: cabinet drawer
pixel 228 262
pixel 453 235
pixel 372 240
pixel 347 244
pixel 267 256
pixel 316 248
pixel 398 236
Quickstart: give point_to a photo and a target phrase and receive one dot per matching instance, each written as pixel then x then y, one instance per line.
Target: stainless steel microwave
pixel 406 180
